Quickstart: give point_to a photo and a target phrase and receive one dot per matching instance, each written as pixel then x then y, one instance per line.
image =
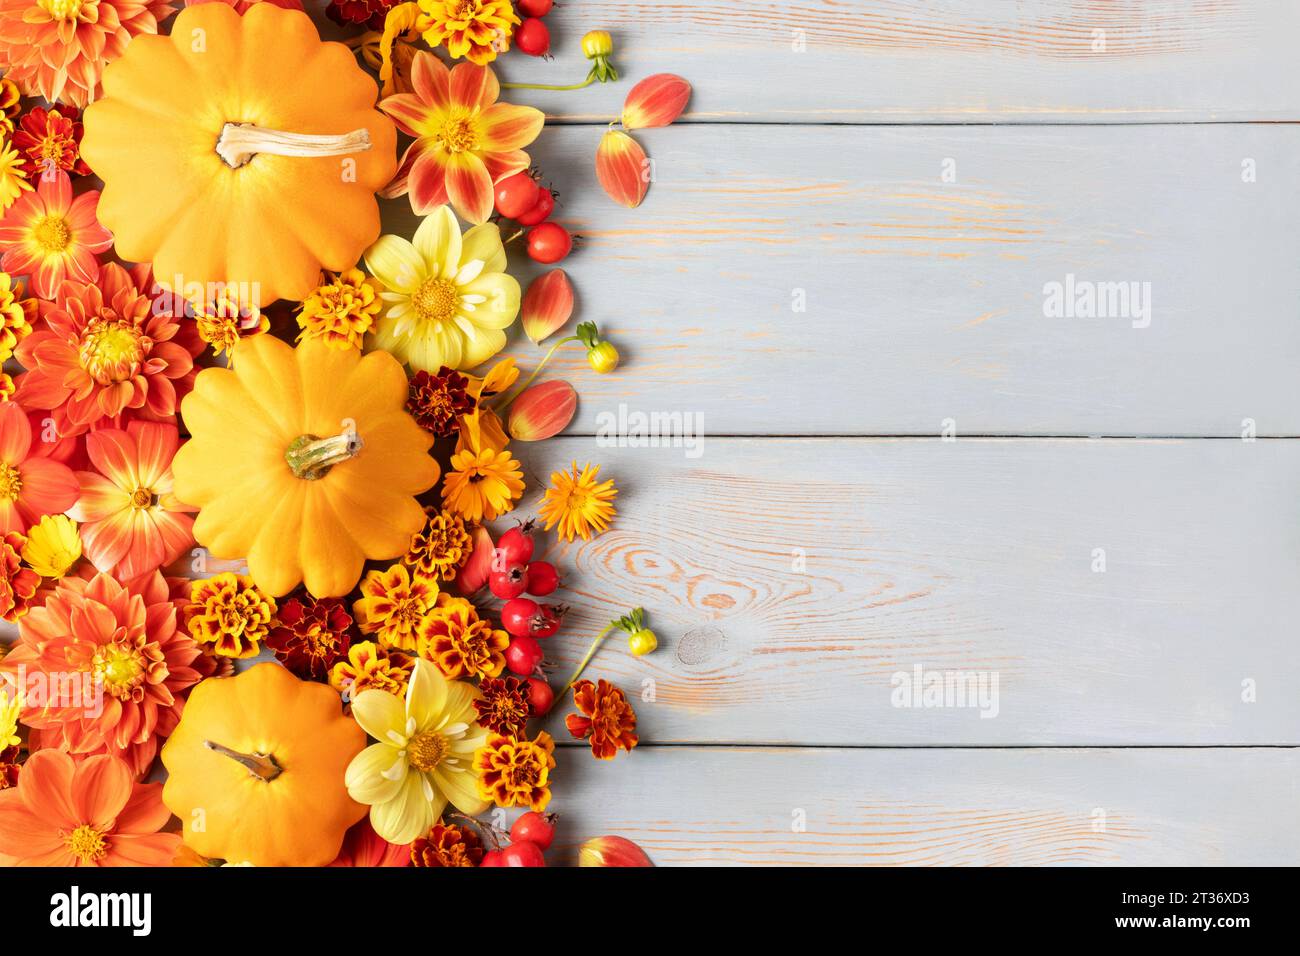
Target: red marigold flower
pixel 17 584
pixel 436 401
pixel 51 139
pixel 311 635
pixel 102 637
pixel 447 844
pixel 368 12
pixel 503 707
pixel 607 718
pixel 9 767
pixel 107 355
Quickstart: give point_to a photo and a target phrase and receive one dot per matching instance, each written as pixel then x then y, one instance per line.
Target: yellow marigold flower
pixel 16 315
pixel 7 387
pixel 474 29
pixel 461 643
pixel 223 321
pixel 392 605
pixel 10 103
pixel 440 550
pixel 229 615
pixel 13 174
pixel 515 772
pixel 11 706
pixel 482 485
pixel 578 504
pixel 371 667
pixel 53 546
pixel 341 310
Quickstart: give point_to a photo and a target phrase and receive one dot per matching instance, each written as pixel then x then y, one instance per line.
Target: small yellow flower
pixel 439 550
pixel 53 546
pixel 392 605
pixel 229 615
pixel 482 485
pixel 13 179
pixel 7 387
pixel 597 43
pixel 601 354
pixel 516 772
pixel 460 642
pixel 224 321
pixel 341 310
pixel 16 315
pixel 578 503
pixel 371 667
pixel 11 706
pixel 474 29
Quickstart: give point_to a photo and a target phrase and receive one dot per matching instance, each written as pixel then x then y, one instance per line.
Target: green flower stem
pixel 591 652
pixel 504 403
pixel 549 86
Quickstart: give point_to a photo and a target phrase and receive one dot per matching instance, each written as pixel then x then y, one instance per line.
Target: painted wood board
pixel 692 806
pixel 905 61
pixel 923 301
pixel 791 580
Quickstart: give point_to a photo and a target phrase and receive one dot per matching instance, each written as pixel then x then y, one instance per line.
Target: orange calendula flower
pixel 341 310
pixel 476 30
pixel 578 503
pixel 482 485
pixel 447 844
pixel 515 772
pixel 441 548
pixel 92 813
pixel 465 141
pixel 17 584
pixel 229 615
pixel 371 667
pixel 131 523
pixel 607 719
pixel 392 605
pixel 50 236
pixel 461 643
pixel 120 662
pixel 504 708
pixel 16 315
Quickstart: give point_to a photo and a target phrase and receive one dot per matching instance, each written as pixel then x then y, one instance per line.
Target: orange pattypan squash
pixel 256 769
pixel 241 151
pixel 304 461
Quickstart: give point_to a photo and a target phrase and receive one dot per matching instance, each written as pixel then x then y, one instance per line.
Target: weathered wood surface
pixel 925 299
pixel 790 580
pixel 723 806
pixel 905 61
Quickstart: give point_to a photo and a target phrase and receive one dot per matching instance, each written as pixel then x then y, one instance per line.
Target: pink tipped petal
pixel 655 101
pixel 473 85
pixel 431 81
pixel 547 305
pixel 469 187
pixel 427 182
pixel 622 168
pixel 410 114
pixel 543 411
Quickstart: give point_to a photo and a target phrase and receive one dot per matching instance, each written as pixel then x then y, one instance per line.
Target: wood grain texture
pixel 790 580
pixel 925 299
pixel 904 61
pixel 720 806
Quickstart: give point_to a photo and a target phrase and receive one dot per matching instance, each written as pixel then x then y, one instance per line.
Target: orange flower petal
pixel 473 86
pixel 469 187
pixel 621 167
pixel 655 101
pixel 431 81
pixel 543 411
pixel 504 126
pixel 547 305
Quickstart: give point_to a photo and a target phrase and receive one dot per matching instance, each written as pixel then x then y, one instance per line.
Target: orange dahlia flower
pixel 607 719
pixel 92 813
pixel 131 523
pixel 465 141
pixel 57 49
pixel 107 355
pixel 104 667
pixel 50 236
pixel 31 485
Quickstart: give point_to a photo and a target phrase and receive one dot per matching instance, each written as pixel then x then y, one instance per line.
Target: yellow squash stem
pixel 261 766
pixel 311 458
pixel 240 142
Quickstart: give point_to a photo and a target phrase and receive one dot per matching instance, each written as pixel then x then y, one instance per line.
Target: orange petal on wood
pixel 622 168
pixel 655 101
pixel 474 573
pixel 548 304
pixel 612 851
pixel 542 411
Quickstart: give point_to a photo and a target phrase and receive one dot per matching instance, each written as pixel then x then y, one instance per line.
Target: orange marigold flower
pixel 447 844
pixel 371 667
pixel 91 813
pixel 474 29
pixel 482 485
pixel 17 583
pixel 607 718
pixel 230 614
pixel 515 772
pixel 224 320
pixel 461 643
pixel 311 635
pixel 7 387
pixel 50 236
pixel 51 139
pixel 109 353
pixel 392 605
pixel 98 636
pixel 442 548
pixel 16 315
pixel 10 103
pixel 503 707
pixel 465 141
pixel 341 310
pixel 436 401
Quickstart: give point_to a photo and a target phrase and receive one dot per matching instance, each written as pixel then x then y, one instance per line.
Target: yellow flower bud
pixel 642 642
pixel 597 43
pixel 603 357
